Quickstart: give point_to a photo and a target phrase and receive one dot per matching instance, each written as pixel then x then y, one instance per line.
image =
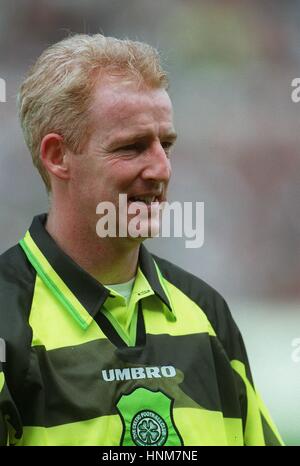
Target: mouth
pixel 145 199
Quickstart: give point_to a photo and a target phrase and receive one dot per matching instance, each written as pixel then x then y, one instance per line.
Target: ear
pixel 53 156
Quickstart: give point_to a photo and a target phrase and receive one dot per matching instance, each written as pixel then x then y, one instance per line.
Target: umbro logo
pixel 134 373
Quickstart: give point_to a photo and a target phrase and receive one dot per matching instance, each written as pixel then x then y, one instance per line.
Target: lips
pixel 147 199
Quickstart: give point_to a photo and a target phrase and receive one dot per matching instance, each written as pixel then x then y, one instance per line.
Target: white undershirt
pixel 124 289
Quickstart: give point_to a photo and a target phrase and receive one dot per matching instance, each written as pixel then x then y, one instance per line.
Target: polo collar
pixel 80 293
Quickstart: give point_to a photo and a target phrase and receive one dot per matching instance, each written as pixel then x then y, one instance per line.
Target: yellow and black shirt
pixel 84 368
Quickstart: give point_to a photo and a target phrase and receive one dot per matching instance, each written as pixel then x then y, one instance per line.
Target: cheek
pixel 83 184
pixel 94 180
pixel 83 170
pixel 125 171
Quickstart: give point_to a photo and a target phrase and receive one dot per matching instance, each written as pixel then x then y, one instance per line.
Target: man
pixel 107 344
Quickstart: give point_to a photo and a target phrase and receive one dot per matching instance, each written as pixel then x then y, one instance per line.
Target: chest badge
pixel 147 419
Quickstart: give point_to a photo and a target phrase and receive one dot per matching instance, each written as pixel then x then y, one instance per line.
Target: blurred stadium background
pixel 231 64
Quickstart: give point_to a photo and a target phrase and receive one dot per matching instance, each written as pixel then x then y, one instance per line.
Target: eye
pixel 132 148
pixel 167 146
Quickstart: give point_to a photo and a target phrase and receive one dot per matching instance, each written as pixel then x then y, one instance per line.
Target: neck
pixel 108 260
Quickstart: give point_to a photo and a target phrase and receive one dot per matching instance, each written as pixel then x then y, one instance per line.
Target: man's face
pixel 128 151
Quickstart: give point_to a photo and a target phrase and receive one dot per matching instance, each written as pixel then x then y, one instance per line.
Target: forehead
pixel 118 104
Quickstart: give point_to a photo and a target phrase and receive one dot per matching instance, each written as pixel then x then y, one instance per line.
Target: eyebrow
pixel 170 136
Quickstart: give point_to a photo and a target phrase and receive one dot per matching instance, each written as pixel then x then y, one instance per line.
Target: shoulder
pixel 194 287
pixel 14 265
pixel 16 273
pixel 17 278
pixel 204 295
pixel 190 284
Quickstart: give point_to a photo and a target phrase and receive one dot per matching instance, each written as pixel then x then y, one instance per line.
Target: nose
pixel 158 166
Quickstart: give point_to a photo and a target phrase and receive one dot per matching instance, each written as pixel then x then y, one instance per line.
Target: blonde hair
pixel 57 93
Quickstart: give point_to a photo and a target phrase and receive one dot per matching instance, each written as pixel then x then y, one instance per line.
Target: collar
pixel 80 293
